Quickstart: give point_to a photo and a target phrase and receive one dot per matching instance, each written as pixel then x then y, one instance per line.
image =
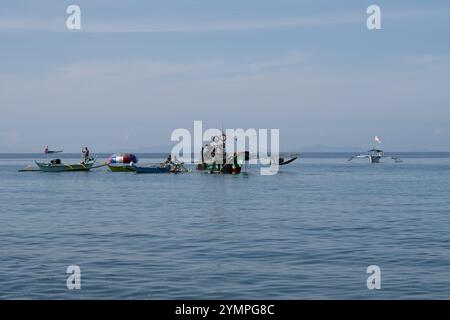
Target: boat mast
pixel 224 155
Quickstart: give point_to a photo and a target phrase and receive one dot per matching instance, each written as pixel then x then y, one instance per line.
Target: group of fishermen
pixel 176 166
pixel 86 157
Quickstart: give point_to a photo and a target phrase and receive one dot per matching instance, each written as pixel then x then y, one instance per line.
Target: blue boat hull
pixel 152 169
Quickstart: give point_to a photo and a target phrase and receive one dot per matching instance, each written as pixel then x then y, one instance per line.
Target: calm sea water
pixel 308 232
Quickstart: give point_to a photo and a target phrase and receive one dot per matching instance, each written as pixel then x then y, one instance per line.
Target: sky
pixel 137 70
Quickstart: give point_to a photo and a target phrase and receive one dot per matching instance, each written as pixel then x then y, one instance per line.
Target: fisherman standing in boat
pixel 46 150
pixel 167 162
pixel 86 154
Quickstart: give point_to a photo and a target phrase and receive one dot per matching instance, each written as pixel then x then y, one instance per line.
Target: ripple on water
pixel 309 232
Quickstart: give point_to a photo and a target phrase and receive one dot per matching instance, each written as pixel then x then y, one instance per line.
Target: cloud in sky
pixel 313 71
pixel 426 59
pixel 150 98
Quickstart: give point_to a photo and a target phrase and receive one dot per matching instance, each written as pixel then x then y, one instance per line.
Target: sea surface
pixel 308 232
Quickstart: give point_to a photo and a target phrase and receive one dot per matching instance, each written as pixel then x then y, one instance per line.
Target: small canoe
pixel 121 168
pixel 62 167
pixel 282 162
pixel 153 169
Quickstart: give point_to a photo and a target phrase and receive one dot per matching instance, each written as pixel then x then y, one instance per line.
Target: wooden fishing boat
pixel 226 168
pixel 58 166
pixel 29 169
pixel 282 161
pixel 122 162
pixel 121 168
pixel 152 169
pixel 375 154
pixel 216 160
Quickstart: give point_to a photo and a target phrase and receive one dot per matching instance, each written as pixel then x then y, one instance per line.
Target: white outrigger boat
pixel 374 155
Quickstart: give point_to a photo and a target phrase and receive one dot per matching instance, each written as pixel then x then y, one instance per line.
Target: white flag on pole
pixel 377 140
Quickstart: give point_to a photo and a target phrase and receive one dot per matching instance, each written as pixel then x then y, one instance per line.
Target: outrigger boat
pixel 151 169
pixel 216 160
pixel 292 157
pixel 121 168
pixel 374 155
pixel 57 166
pixel 122 162
pixel 165 167
pixel 47 151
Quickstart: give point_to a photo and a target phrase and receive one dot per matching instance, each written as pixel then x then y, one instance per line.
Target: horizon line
pixel 165 152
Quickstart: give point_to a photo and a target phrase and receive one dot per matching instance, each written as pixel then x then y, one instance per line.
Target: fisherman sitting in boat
pixel 176 168
pixel 47 151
